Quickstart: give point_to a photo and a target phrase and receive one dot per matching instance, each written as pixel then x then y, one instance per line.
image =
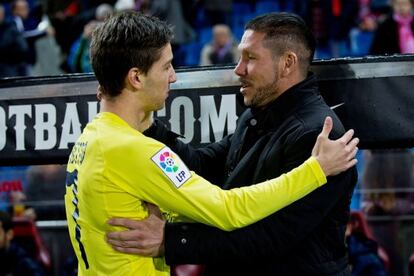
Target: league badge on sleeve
pixel 172 166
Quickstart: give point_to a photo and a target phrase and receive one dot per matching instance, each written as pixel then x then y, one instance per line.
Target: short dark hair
pixel 124 41
pixel 6 221
pixel 286 31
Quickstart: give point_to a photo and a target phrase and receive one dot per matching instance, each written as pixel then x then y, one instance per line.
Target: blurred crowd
pixel 49 37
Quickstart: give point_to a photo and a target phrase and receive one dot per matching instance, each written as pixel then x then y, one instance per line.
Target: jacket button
pixel 253 122
pixel 183 241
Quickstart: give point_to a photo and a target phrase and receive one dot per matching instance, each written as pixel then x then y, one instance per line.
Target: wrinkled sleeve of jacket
pixel 273 236
pixel 208 161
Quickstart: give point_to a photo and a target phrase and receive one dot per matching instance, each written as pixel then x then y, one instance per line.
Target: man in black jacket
pixel 275 134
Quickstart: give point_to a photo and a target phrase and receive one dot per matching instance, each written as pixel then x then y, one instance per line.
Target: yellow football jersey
pixel 113 169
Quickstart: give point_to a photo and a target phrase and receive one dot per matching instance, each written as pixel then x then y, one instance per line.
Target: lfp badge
pixel 168 162
pixel 172 166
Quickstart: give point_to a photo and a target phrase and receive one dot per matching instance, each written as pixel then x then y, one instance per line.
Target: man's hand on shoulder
pixel 144 237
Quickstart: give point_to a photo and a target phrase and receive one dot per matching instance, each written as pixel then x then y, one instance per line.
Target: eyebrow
pixel 168 62
pixel 249 50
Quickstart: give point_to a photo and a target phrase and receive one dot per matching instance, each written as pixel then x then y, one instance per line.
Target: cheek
pixel 263 77
pixel 260 70
pixel 165 77
pixel 271 72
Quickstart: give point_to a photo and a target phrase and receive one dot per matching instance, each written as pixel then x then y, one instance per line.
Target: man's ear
pixel 134 78
pixel 290 63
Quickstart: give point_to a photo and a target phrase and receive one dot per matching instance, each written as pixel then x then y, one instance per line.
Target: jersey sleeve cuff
pixel 317 170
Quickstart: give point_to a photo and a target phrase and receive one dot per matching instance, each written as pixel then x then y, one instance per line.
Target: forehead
pixel 252 41
pixel 166 54
pixel 221 30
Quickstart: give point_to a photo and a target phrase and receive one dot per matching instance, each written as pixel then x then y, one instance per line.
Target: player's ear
pixel 134 77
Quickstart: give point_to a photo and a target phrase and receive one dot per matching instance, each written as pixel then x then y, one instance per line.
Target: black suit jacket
pixel 305 238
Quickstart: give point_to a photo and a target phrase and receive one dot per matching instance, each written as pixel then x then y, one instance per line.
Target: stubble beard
pixel 263 95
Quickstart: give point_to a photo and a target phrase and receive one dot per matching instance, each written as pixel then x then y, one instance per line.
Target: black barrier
pixel 40 118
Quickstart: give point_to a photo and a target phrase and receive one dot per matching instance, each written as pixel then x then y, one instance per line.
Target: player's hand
pixel 335 156
pixel 144 237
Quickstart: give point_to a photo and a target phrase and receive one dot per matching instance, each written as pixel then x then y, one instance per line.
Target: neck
pixel 128 108
pixel 287 83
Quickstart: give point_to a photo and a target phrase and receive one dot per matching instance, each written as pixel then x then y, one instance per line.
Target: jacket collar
pixel 276 112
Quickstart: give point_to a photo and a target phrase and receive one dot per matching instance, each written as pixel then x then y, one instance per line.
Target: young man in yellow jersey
pixel 114 169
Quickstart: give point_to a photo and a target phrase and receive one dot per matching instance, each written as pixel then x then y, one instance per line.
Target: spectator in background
pixel 387 171
pixel 362 34
pixel 331 22
pixel 312 13
pixel 20 12
pixel 222 49
pixel 14 260
pixel 69 23
pixel 388 182
pixel 45 192
pixel 363 252
pixel 367 19
pixel 171 11
pixel 395 34
pixel 78 59
pixel 13 49
pixel 340 19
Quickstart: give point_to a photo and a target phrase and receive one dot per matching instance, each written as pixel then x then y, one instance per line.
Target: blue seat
pixel 289 6
pixel 360 42
pixel 267 6
pixel 238 32
pixel 205 35
pixel 200 20
pixel 192 53
pixel 239 21
pixel 241 8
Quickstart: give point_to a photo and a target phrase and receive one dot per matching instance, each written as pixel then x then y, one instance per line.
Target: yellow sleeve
pixel 201 201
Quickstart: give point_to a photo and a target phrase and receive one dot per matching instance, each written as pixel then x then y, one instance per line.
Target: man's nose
pixel 240 69
pixel 173 76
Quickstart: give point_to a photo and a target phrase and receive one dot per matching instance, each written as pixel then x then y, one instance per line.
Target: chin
pixel 159 107
pixel 247 102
